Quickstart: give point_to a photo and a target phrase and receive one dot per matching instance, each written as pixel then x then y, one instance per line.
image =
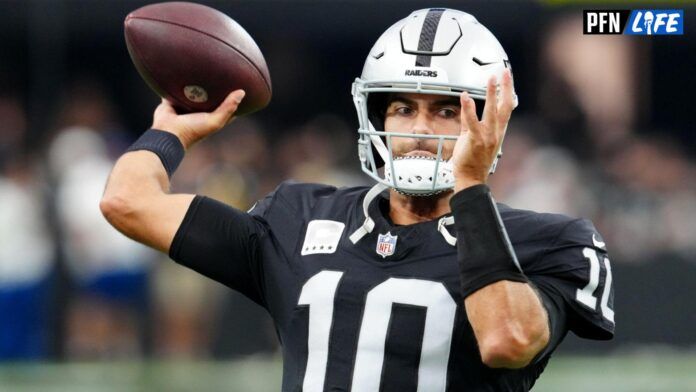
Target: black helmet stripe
pixel 427 36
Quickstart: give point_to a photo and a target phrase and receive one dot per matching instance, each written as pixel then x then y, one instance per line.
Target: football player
pixel 421 282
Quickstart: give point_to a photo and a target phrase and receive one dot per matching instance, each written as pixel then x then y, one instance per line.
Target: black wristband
pixel 484 250
pixel 166 145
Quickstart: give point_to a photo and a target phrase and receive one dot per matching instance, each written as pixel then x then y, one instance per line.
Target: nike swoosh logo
pixel 598 243
pixel 481 63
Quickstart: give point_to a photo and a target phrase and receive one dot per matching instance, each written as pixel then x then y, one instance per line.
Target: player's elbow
pixel 514 348
pixel 506 355
pixel 118 210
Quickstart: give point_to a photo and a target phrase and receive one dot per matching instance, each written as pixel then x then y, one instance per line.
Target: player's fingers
pixel 469 121
pixel 491 107
pixel 163 112
pixel 507 103
pixel 227 108
pixel 165 107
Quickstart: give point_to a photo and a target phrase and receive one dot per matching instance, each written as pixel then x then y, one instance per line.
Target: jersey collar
pixel 374 217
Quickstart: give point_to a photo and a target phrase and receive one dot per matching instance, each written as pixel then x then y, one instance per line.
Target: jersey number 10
pixel 319 293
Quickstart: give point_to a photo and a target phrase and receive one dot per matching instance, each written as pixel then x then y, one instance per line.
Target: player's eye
pixel 447 113
pixel 404 110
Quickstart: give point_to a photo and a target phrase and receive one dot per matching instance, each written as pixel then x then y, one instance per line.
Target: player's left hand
pixel 479 141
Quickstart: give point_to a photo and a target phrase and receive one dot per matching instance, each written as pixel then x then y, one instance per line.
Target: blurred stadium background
pixel 604 130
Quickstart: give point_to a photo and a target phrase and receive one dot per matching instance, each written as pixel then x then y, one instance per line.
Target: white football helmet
pixel 432 51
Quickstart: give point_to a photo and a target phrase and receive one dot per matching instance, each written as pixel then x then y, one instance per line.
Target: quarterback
pixel 422 282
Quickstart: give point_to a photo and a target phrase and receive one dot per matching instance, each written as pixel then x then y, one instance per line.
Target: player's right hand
pixel 192 127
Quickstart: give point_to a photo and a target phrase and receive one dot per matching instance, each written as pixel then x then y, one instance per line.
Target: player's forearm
pixel 136 181
pixel 136 189
pixel 509 322
pixel 138 174
pixel 503 309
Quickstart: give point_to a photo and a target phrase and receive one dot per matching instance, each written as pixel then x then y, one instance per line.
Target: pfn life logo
pixel 634 22
pixel 656 22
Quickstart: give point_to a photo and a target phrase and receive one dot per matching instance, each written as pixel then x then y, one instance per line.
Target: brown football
pixel 195 56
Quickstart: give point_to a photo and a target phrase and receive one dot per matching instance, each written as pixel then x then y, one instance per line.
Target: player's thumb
pixel 228 107
pixel 233 100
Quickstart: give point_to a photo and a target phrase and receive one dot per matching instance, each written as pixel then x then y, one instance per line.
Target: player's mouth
pixel 420 153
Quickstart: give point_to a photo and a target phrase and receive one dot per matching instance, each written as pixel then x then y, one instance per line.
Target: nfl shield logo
pixel 386 244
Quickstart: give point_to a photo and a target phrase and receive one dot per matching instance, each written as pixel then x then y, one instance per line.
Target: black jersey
pixel 364 305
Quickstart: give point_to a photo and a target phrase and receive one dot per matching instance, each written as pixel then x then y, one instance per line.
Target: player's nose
pixel 422 125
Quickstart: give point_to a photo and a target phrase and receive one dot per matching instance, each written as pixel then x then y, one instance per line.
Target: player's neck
pixel 407 210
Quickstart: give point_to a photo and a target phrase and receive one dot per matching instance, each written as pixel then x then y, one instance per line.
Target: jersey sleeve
pixel 233 247
pixel 574 274
pixel 222 243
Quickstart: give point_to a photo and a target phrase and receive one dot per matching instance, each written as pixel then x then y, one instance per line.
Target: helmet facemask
pixel 408 175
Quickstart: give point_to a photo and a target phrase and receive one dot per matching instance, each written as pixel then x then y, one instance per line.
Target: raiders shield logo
pixel 386 244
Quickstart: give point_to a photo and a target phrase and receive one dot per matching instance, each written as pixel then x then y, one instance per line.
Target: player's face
pixel 422 114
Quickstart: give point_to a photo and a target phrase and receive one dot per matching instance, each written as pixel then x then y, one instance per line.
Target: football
pixel 194 56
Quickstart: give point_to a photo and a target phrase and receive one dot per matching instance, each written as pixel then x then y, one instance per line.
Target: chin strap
pixel 446 221
pixel 369 224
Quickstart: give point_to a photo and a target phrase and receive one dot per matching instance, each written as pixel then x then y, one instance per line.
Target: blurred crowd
pixel 72 287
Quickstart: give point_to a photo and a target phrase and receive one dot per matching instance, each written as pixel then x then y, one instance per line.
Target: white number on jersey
pixel 319 293
pixel 586 295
